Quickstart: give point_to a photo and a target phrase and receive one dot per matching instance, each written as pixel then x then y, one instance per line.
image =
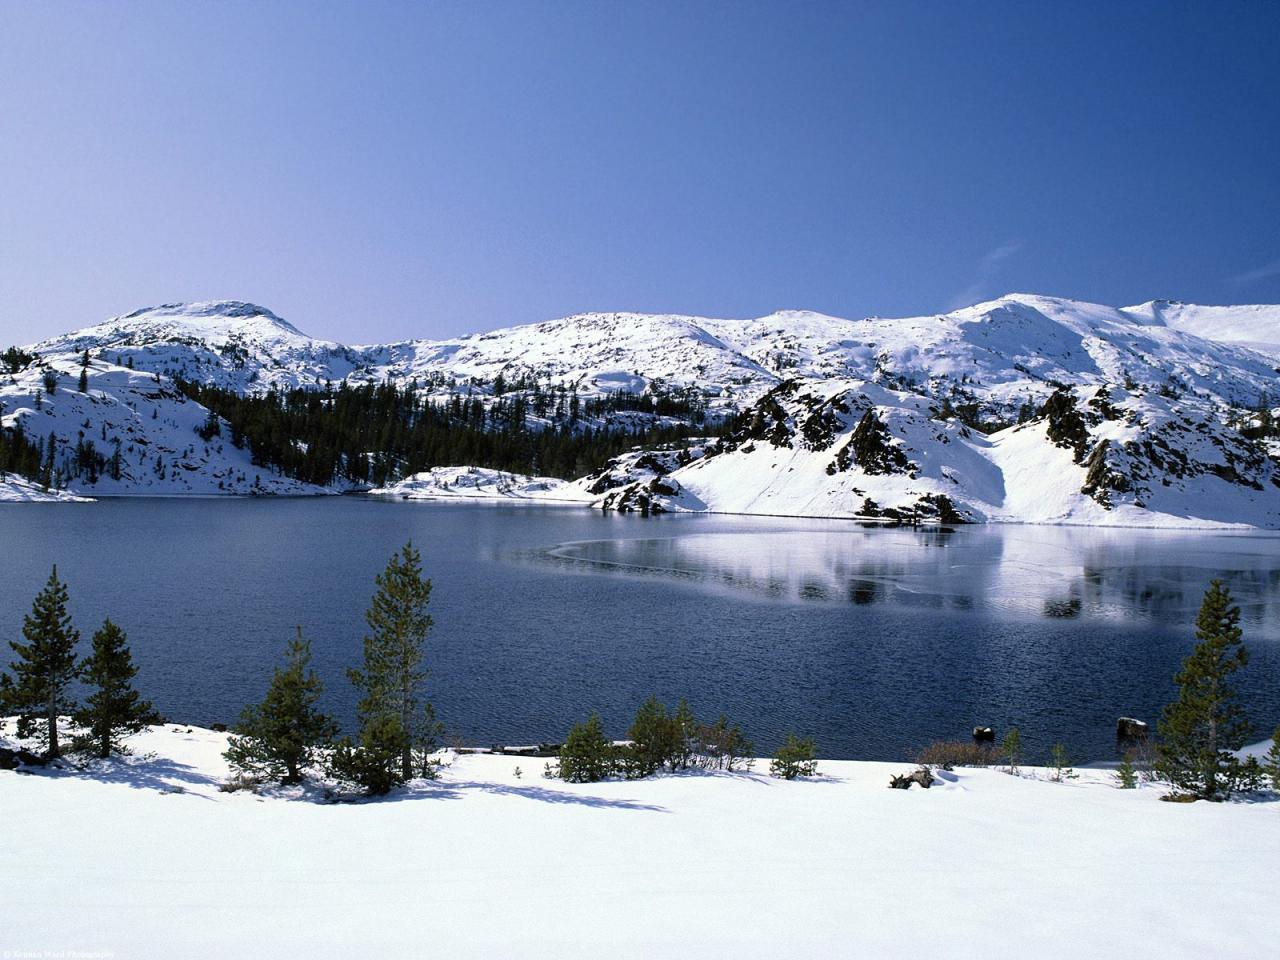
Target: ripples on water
pixel 874 640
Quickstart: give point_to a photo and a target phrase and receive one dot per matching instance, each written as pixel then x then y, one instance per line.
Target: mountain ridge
pixel 1163 404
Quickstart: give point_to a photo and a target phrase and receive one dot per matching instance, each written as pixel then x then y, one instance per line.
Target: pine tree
pixel 686 734
pixel 652 737
pixel 115 709
pixel 586 755
pixel 46 666
pixel 1011 748
pixel 83 384
pixel 1126 774
pixel 1204 725
pixel 1272 764
pixel 394 721
pixel 797 757
pixel 278 738
pixel 49 465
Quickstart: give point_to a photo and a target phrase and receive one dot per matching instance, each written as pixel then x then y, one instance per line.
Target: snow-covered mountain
pixel 1024 408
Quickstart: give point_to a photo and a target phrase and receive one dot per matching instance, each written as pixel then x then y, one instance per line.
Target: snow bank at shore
pixel 15 489
pixel 147 858
pixel 481 483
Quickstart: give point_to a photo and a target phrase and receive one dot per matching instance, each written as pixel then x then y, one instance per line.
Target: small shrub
pixel 374 760
pixel 239 781
pixel 949 754
pixel 1249 776
pixel 517 773
pixel 797 757
pixel 1060 765
pixel 721 746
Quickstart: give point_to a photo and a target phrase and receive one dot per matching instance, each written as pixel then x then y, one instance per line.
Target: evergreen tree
pixel 114 709
pixel 797 757
pixel 685 735
pixel 49 467
pixel 83 384
pixel 1272 765
pixel 278 738
pixel 394 721
pixel 586 755
pixel 1204 725
pixel 1011 748
pixel 653 739
pixel 1126 774
pixel 45 667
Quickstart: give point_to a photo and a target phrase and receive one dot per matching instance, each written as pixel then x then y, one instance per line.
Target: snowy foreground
pixel 149 859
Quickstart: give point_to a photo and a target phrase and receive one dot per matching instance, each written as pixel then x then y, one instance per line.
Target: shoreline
pixel 1206 527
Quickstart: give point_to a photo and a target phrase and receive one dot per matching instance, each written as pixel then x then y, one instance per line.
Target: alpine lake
pixel 872 640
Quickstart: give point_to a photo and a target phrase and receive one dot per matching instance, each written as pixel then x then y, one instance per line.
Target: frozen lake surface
pixel 872 640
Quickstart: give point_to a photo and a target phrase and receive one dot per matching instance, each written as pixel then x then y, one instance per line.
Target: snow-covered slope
pixel 840 448
pixel 227 343
pixel 1165 389
pixel 478 483
pixel 1255 326
pixel 15 489
pixel 146 858
pixel 129 433
pixel 1002 352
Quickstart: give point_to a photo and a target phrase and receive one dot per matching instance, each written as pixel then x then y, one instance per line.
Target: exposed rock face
pixel 1127 728
pixel 903 781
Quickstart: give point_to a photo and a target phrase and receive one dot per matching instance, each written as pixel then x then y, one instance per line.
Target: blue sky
pixel 380 171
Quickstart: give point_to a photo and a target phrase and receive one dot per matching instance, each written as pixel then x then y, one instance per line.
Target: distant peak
pixel 213 309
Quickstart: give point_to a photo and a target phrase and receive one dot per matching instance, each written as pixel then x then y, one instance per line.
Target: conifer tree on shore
pixel 279 737
pixel 395 722
pixel 45 667
pixel 1204 725
pixel 115 709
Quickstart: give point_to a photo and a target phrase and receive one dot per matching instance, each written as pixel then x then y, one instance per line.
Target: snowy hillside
pixel 471 483
pixel 145 857
pixel 1003 351
pixel 128 433
pixel 856 449
pixel 15 489
pixel 1026 408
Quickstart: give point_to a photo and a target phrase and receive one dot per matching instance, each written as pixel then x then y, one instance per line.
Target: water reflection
pixel 1057 573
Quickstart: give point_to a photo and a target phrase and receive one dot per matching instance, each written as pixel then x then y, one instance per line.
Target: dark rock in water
pixel 1127 728
pixel 984 735
pixel 218 727
pixel 903 781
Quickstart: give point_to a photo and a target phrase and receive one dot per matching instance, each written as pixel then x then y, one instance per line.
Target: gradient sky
pixel 381 171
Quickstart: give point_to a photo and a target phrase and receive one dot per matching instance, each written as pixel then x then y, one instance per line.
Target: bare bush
pixel 949 754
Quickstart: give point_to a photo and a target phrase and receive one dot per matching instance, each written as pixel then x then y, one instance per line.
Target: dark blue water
pixel 874 641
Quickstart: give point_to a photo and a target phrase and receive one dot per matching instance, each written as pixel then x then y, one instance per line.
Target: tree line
pixel 375 433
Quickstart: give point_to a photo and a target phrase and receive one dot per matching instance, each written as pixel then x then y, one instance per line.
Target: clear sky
pixel 381 171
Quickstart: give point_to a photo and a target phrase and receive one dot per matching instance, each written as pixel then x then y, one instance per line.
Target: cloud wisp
pixel 988 269
pixel 1271 269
